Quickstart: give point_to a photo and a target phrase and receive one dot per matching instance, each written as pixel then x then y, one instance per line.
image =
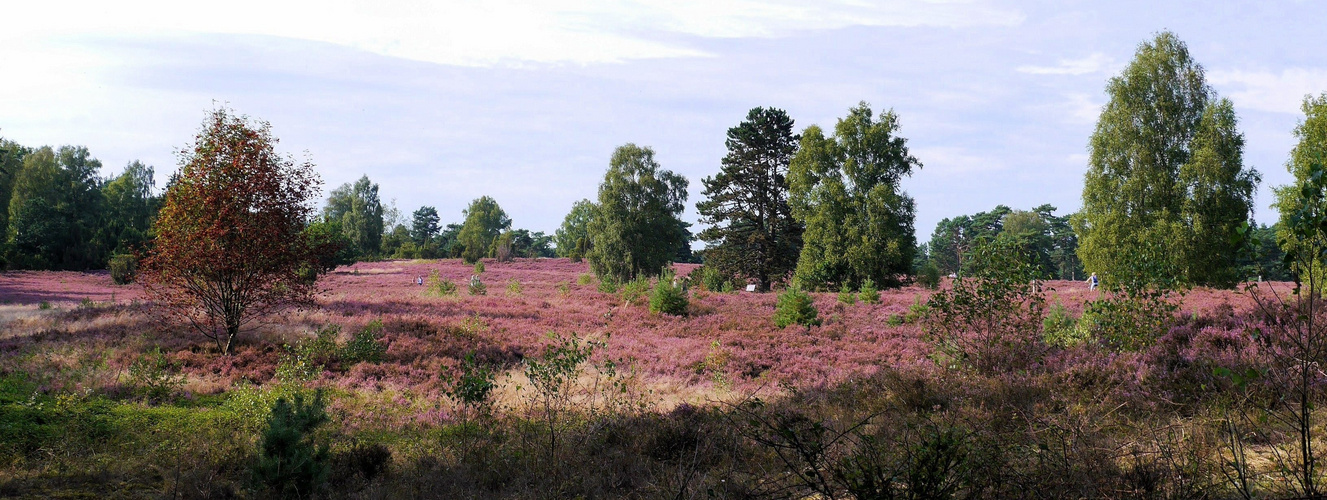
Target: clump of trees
pixel 845 190
pixel 635 230
pixel 1165 172
pixel 1047 240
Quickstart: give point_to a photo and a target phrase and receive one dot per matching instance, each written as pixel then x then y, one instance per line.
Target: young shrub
pixel 477 286
pixel 123 267
pixel 607 284
pixel 479 267
pixel 918 310
pixel 929 276
pixel 846 296
pixel 366 346
pixel 1129 317
pixel 472 385
pixel 584 279
pixel 795 307
pixel 667 297
pixel 513 288
pixel 154 375
pixel 1060 328
pixel 636 290
pixel 290 463
pixel 564 288
pixel 438 286
pixel 869 293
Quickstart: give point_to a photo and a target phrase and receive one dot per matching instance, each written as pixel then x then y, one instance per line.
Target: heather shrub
pixel 795 307
pixel 365 346
pixel 513 288
pixel 290 462
pixel 846 295
pixel 635 290
pixel 477 286
pixel 122 267
pixel 869 293
pixel 929 276
pixel 154 375
pixel 668 297
pixel 584 279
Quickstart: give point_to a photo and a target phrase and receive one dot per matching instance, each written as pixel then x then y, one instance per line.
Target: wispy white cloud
pixel 1095 63
pixel 955 161
pixel 464 32
pixel 1269 91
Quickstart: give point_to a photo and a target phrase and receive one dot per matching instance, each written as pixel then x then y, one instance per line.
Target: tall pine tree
pixel 753 234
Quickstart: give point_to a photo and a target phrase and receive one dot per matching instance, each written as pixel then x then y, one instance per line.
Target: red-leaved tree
pixel 230 245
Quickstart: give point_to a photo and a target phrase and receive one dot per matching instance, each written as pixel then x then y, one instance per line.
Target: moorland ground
pixel 102 395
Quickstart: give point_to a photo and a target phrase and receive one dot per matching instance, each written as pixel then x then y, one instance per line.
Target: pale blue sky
pixel 441 102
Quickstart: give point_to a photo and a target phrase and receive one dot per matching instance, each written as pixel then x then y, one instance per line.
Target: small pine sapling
pixel 795 306
pixel 290 463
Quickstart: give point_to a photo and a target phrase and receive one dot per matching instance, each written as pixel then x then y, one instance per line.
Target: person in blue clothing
pixel 1093 281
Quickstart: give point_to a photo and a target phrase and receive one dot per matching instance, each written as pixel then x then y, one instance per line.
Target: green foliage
pixel 359 212
pixel 607 285
pixel 123 267
pixel 635 290
pixel 513 288
pixel 564 288
pixel 154 375
pixel 573 237
pixel 477 286
pixel 846 295
pixel 869 293
pixel 668 296
pixel 1060 328
pixel 424 225
pixel 990 320
pixel 290 462
pixel 438 286
pixel 1129 318
pixel 713 280
pixel 479 267
pixel 845 190
pixel 365 346
pixel 484 221
pixel 1301 202
pixel 584 279
pixel 929 276
pixel 1047 240
pixel 55 212
pixel 1165 171
pixel 635 230
pixel 752 233
pixel 554 378
pixel 472 384
pixel 795 307
pixel 306 359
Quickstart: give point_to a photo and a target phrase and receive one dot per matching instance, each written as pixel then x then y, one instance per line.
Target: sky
pixel 446 101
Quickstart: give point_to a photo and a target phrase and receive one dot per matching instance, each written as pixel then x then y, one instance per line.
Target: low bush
pixel 846 295
pixel 635 290
pixel 514 288
pixel 795 307
pixel 668 297
pixel 154 375
pixel 477 286
pixel 123 268
pixel 290 462
pixel 585 279
pixel 440 287
pixel 869 293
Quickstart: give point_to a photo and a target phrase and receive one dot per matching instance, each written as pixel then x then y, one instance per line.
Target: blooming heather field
pixel 728 339
pixel 77 378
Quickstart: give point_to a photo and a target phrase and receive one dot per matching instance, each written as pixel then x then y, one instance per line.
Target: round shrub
pixel 929 276
pixel 123 267
pixel 668 298
pixel 795 307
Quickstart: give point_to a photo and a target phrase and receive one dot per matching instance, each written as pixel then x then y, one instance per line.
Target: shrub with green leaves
pixel 846 295
pixel 290 462
pixel 513 288
pixel 365 346
pixel 584 279
pixel 636 290
pixel 1060 327
pixel 668 297
pixel 1129 318
pixel 479 267
pixel 607 284
pixel 795 307
pixel 154 375
pixel 123 267
pixel 438 286
pixel 929 276
pixel 869 293
pixel 472 384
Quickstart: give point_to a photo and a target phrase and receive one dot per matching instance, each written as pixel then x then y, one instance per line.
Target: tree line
pixel 822 209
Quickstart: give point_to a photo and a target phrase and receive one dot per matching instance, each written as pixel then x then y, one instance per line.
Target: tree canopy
pixel 845 190
pixel 1308 156
pixel 636 230
pixel 230 244
pixel 1165 173
pixel 752 232
pixel 359 211
pixel 572 239
pixel 484 222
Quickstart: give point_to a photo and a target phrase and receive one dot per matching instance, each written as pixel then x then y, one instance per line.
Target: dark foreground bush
pixel 289 463
pixel 123 268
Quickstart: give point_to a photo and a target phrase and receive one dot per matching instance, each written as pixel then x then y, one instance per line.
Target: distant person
pixel 1093 281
